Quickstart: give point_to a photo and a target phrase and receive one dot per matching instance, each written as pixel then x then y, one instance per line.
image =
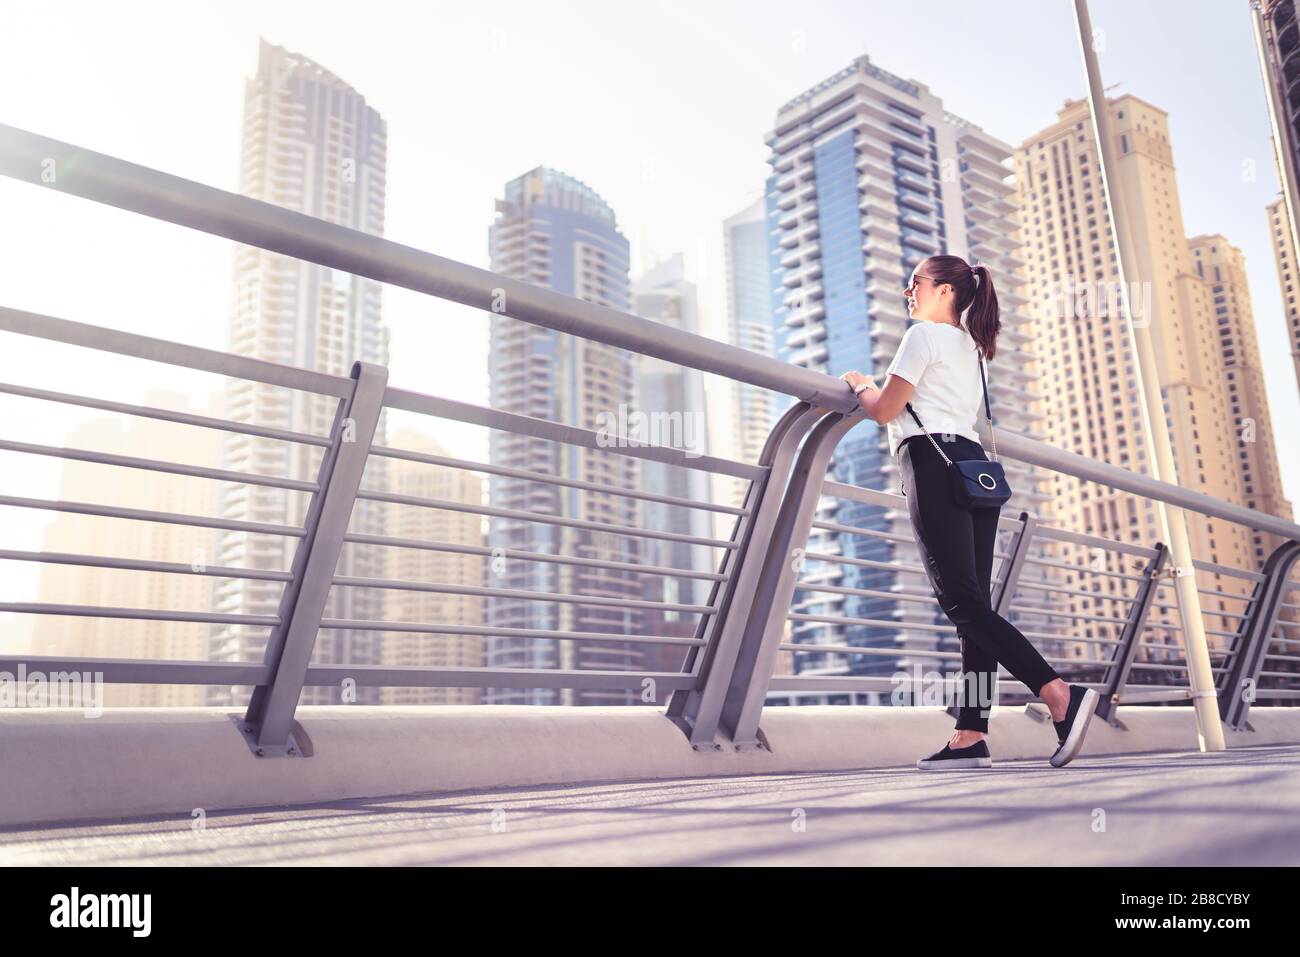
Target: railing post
pixel 701 707
pixel 1005 590
pixel 1251 646
pixel 757 655
pixel 288 651
pixel 1117 671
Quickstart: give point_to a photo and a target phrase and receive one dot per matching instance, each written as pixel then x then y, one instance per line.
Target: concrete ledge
pixel 60 766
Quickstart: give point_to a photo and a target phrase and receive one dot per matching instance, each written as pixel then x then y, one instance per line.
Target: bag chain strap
pixel 988 414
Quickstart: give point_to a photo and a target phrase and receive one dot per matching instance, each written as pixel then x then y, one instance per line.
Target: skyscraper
pixel 1241 380
pixel 1089 396
pixel 673 397
pixel 749 324
pixel 870 175
pixel 555 231
pixel 310 143
pixel 1284 256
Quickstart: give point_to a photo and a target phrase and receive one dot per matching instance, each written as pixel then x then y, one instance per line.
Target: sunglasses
pixel 912 284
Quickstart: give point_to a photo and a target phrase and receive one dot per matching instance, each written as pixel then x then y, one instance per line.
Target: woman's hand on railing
pixel 855 379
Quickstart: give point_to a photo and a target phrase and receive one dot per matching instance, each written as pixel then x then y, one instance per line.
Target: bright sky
pixel 662 108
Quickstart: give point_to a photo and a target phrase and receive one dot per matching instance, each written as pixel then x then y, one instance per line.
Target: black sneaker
pixel 972 756
pixel 1070 731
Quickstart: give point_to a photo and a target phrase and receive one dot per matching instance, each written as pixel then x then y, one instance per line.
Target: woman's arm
pixel 881 405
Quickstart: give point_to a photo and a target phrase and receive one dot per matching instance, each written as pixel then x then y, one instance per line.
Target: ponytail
pixel 982 318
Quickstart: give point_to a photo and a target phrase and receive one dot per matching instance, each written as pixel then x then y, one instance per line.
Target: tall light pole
pixel 1173 524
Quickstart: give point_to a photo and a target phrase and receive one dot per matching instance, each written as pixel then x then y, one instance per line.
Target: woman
pixel 937 370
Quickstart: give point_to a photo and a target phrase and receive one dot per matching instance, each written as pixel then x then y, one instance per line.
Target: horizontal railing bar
pixel 871 622
pixel 930 626
pixel 146 515
pixel 529 475
pixel 864 532
pixel 154 465
pixel 373 495
pixel 1052 533
pixel 162 350
pixel 1214 631
pixel 1248 599
pixel 1229 570
pixel 1032 452
pixel 864 592
pixel 1082 593
pixel 894 652
pixel 502 632
pixel 107 179
pixel 350 582
pixel 377 676
pixel 358 538
pixel 1273 656
pixel 559 432
pixel 1209 613
pixel 864 562
pixel 167 415
pixel 1152 666
pixel 1161 624
pixel 1047 636
pixel 141 614
pixel 904 653
pixel 133 564
pixel 147 672
pixel 1166 583
pixel 1081 569
pixel 1178 649
pixel 1208 631
pixel 1080 616
pixel 831 684
pixel 865 496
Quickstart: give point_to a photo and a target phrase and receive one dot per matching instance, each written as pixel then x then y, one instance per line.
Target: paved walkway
pixel 1240 807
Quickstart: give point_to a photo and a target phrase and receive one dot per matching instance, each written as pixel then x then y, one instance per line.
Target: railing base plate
pixel 298 746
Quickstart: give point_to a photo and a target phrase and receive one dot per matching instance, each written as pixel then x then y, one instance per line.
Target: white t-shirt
pixel 942 361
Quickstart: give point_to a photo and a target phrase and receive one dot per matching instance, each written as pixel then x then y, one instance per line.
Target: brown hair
pixel 974 289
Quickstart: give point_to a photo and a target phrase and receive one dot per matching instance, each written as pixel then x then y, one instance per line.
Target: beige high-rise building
pixel 433 525
pixel 555 231
pixel 1284 254
pixel 122 538
pixel 1223 268
pixel 1089 395
pixel 312 144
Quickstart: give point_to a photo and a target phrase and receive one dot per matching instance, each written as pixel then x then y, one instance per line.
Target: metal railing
pixel 730 658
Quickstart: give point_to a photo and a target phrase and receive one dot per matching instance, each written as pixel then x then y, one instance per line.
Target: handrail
pixel 81 172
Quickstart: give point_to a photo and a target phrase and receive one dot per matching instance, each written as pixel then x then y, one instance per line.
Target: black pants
pixel 956 546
